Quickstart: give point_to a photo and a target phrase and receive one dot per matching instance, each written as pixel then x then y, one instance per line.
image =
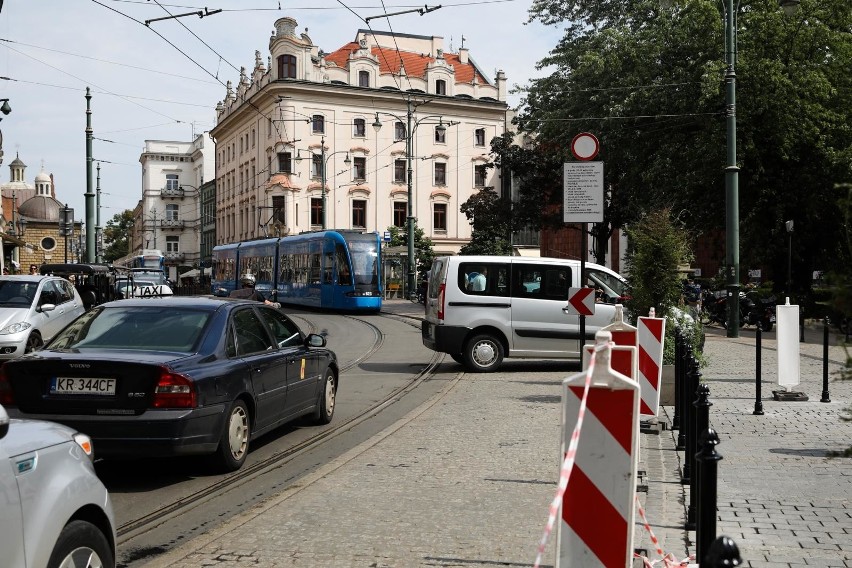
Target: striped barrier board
pixel 650 337
pixel 597 510
pixel 623 359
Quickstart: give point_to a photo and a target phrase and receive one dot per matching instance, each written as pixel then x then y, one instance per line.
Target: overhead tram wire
pixel 196 63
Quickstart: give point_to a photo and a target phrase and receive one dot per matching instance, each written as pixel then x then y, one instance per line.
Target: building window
pixel 173 244
pixel 440 173
pixel 440 135
pixel 285 162
pixel 399 171
pixel 172 183
pixel 439 217
pixel 172 212
pixel 286 66
pixel 359 128
pixel 316 166
pixel 479 134
pixel 399 131
pixel 479 176
pixel 400 212
pixel 359 167
pixel 363 78
pixel 359 213
pixel 278 210
pixel 318 124
pixel 316 211
pixel 440 87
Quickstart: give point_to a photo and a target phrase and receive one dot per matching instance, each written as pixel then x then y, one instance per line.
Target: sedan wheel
pixel 328 397
pixel 33 342
pixel 81 545
pixel 233 444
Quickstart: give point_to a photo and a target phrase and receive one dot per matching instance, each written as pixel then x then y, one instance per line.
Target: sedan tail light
pixel 7 398
pixel 174 390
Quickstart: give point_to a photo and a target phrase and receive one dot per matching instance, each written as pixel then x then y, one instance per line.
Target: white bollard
pixel 597 511
pixel 787 319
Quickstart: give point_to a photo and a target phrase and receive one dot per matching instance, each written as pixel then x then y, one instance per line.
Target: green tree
pixel 648 82
pixel 423 252
pixel 117 235
pixel 490 216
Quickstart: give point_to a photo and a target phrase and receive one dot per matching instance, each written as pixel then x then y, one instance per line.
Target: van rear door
pixel 435 288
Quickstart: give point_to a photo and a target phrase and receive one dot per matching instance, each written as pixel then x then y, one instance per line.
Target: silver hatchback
pixel 56 512
pixel 32 310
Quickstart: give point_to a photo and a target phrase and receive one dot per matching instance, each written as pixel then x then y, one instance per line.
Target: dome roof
pixel 41 208
pixel 17 162
pixel 42 177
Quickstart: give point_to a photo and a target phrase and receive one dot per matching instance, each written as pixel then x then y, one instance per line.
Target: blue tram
pixel 326 269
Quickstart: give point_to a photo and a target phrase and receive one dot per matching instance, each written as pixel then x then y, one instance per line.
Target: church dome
pixel 17 162
pixel 42 177
pixel 41 208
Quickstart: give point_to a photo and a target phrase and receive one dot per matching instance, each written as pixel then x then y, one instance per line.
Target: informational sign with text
pixel 583 197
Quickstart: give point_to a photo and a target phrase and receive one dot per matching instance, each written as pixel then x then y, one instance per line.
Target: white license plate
pixel 82 385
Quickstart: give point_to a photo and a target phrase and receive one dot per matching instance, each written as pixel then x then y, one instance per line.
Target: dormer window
pixel 440 87
pixel 286 66
pixel 363 78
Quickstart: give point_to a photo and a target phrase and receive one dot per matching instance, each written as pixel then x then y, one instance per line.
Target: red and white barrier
pixel 623 335
pixel 650 337
pixel 597 507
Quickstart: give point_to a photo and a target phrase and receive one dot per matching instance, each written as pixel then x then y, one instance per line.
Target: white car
pixel 56 513
pixel 33 309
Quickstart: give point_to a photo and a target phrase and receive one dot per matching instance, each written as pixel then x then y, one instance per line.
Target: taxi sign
pixel 151 291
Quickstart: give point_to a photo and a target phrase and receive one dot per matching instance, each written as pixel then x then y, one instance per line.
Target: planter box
pixel 667 386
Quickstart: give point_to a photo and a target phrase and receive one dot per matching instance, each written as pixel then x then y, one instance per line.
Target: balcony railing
pixel 175 256
pixel 172 192
pixel 172 223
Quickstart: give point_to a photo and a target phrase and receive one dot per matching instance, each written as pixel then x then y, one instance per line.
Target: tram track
pixel 134 528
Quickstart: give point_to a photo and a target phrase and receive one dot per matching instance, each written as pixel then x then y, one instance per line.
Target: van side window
pixel 541 281
pixel 479 279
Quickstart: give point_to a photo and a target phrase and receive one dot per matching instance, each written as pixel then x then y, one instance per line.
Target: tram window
pixel 344 277
pixel 327 268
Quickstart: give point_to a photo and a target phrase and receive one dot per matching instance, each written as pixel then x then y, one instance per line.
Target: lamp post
pixel 323 166
pixel 411 126
pixel 732 214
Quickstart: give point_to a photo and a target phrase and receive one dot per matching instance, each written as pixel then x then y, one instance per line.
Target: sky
pixel 162 81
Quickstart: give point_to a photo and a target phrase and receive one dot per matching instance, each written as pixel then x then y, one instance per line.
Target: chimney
pixel 463 55
pixel 501 85
pixel 437 43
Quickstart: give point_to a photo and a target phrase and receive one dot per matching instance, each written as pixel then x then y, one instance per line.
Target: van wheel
pixel 483 354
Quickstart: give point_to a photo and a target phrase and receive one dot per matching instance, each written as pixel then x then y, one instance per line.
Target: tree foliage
pixel 117 235
pixel 423 251
pixel 648 81
pixel 491 219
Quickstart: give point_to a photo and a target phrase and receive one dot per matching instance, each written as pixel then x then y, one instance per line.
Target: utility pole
pixel 90 195
pixel 98 228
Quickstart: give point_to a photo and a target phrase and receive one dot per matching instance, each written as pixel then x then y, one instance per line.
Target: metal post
pixel 678 354
pixel 723 553
pixel 412 265
pixel 90 195
pixel 732 217
pixel 692 448
pixel 825 397
pixel 758 402
pixel 708 464
pixel 322 165
pixel 98 251
pixel 702 422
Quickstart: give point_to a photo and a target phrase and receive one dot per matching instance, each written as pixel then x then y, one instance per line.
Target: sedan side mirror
pixel 315 340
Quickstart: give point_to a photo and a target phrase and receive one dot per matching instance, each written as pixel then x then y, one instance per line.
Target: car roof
pixel 199 302
pixel 26 277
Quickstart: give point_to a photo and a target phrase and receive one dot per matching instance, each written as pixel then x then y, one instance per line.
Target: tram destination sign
pixel 583 192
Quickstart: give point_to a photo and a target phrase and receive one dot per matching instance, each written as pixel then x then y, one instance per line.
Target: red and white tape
pixel 668 560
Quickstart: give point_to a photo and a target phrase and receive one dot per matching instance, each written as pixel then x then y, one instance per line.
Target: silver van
pixel 480 309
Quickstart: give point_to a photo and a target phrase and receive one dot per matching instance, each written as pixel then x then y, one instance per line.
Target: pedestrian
pixel 34 269
pixel 247 292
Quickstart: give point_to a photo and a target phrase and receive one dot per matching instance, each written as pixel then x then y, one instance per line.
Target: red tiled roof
pixel 415 63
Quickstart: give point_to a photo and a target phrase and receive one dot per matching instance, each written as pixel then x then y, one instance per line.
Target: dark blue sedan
pixel 176 376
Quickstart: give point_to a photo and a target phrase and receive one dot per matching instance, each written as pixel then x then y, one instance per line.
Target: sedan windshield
pixel 14 294
pixel 146 328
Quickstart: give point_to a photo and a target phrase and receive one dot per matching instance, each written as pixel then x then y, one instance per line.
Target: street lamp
pixel 409 135
pixel 732 214
pixel 323 165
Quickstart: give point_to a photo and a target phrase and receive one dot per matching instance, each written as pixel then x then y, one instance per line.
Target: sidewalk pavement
pixel 466 480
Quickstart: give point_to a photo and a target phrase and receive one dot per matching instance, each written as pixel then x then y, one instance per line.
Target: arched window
pixel 440 87
pixel 286 66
